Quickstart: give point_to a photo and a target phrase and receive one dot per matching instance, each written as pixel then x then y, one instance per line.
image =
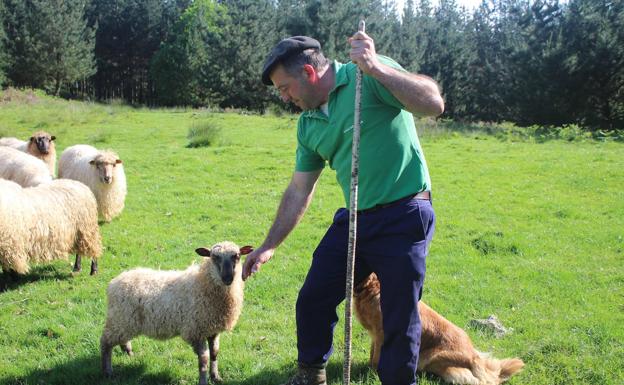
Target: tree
pixel 187 69
pixel 250 34
pixel 594 44
pixel 129 32
pixel 50 42
pixel 4 57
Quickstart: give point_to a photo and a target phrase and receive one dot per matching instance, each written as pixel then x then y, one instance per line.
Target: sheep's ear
pixel 204 252
pixel 246 250
pixel 53 137
pixel 118 161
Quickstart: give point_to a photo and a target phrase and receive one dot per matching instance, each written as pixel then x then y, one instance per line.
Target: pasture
pixel 532 232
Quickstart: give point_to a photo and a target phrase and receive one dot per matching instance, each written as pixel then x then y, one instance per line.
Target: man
pixel 395 221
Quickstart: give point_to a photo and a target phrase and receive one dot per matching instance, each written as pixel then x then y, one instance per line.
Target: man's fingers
pixel 360 36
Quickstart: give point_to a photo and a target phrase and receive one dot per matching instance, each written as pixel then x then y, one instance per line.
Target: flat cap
pixel 285 48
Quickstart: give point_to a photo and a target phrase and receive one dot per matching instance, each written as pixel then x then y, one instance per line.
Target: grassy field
pixel 531 232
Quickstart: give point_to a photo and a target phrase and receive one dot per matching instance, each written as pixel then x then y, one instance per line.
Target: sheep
pixel 47 222
pixel 40 145
pixel 24 169
pixel 102 171
pixel 196 304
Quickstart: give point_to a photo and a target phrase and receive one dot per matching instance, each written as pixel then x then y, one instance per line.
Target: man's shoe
pixel 308 375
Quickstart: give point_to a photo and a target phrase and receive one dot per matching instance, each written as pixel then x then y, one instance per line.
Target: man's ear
pixel 204 252
pixel 310 73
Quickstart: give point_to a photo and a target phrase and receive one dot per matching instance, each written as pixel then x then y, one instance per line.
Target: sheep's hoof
pixel 215 378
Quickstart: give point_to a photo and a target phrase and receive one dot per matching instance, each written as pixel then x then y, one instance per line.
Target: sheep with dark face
pixel 40 145
pixel 102 171
pixel 196 304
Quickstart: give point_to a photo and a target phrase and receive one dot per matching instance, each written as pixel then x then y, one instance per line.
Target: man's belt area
pixel 424 195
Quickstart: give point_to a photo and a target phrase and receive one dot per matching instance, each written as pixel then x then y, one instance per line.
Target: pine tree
pixel 50 42
pixel 187 70
pixel 594 44
pixel 4 57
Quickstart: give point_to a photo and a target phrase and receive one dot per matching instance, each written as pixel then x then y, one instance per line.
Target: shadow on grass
pixel 12 281
pixel 86 371
pixel 281 375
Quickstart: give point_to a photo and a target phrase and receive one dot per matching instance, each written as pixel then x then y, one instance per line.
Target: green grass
pixel 532 232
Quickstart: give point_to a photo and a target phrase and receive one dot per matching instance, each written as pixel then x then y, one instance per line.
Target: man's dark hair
pixel 314 57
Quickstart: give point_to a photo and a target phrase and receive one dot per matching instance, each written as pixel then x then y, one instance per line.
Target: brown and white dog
pixel 445 349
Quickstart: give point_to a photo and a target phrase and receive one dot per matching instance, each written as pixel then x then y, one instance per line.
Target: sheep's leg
pixel 94 267
pixel 78 264
pixel 106 350
pixel 127 348
pixel 202 356
pixel 213 345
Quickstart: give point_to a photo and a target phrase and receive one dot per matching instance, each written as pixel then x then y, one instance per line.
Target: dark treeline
pixel 526 61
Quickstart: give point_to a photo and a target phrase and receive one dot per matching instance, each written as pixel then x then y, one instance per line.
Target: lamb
pixel 196 304
pixel 101 171
pixel 40 145
pixel 24 169
pixel 47 222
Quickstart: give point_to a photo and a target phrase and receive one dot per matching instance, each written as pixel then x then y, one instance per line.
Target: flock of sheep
pixel 43 218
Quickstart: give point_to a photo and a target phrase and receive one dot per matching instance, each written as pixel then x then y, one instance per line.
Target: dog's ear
pixel 204 252
pixel 246 250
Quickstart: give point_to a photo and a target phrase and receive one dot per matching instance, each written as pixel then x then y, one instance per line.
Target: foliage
pixel 531 62
pixel 186 69
pixel 50 43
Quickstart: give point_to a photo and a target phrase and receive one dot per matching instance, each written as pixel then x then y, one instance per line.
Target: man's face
pixel 296 89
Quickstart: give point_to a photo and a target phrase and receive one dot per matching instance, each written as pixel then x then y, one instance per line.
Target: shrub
pixel 203 134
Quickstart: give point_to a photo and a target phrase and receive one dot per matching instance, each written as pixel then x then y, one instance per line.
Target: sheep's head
pixel 225 258
pixel 43 141
pixel 105 163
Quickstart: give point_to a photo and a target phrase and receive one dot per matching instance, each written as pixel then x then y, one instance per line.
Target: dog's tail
pixel 499 370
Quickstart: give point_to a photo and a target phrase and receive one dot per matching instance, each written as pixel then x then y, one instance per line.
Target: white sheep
pixel 196 304
pixel 102 171
pixel 47 222
pixel 40 145
pixel 24 169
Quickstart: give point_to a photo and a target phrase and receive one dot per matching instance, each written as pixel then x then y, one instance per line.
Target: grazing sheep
pixel 196 304
pixel 102 171
pixel 47 222
pixel 40 145
pixel 24 169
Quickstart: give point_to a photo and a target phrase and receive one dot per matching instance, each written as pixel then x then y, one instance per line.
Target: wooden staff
pixel 355 163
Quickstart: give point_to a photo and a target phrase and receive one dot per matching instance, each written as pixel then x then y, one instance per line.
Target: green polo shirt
pixel 392 164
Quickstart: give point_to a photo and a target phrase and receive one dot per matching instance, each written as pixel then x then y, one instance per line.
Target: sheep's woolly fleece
pixel 24 169
pixel 75 163
pixel 46 222
pixel 193 303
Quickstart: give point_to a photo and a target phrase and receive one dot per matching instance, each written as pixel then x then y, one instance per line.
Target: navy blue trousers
pixel 392 242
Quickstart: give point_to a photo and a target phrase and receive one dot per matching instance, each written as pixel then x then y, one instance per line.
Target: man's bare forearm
pixel 291 209
pixel 418 93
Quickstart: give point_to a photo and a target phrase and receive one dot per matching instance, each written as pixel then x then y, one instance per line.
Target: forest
pixel 530 62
